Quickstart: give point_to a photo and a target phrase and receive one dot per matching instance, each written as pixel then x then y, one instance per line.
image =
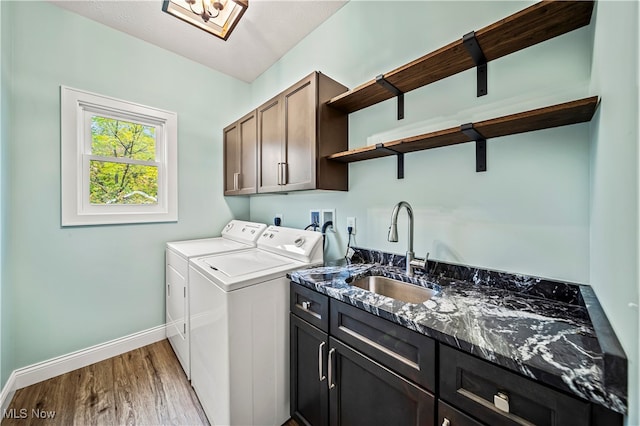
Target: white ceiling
pixel 265 33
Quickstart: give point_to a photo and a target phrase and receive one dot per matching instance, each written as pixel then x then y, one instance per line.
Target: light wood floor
pixel 143 387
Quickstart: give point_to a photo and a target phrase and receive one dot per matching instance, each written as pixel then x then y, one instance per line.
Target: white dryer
pixel 240 327
pixel 236 235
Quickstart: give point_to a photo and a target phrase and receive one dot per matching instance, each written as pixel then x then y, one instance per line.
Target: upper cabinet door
pixel 270 145
pixel 240 152
pixel 231 146
pixel 300 106
pixel 248 129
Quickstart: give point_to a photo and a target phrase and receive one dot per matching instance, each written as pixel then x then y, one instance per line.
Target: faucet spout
pixel 393 231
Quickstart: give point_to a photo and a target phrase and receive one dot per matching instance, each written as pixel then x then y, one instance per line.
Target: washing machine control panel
pixel 294 243
pixel 241 231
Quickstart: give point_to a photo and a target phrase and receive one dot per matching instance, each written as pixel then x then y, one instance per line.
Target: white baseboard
pixel 7 392
pixel 45 370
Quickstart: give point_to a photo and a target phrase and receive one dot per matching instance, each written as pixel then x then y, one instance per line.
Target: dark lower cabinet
pixel 363 392
pixel 309 390
pixel 498 397
pixel 350 367
pixel 334 384
pixel 477 387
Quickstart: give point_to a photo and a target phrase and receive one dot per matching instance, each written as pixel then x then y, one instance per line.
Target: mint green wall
pixel 559 203
pixel 556 203
pixel 3 138
pixel 529 213
pixel 75 287
pixel 614 185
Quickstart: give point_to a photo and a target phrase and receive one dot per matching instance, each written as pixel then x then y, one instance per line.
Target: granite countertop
pixel 550 331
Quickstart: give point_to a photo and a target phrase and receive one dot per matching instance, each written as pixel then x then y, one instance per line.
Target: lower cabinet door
pixel 309 391
pixel 363 392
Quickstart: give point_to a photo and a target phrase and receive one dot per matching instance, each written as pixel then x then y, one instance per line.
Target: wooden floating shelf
pixel 535 24
pixel 573 112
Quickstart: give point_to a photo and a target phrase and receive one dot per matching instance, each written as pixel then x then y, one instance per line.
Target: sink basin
pixel 394 289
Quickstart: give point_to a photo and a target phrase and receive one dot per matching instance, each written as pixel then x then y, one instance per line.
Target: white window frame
pixel 77 109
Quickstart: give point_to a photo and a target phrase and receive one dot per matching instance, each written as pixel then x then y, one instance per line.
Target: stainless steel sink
pixel 394 289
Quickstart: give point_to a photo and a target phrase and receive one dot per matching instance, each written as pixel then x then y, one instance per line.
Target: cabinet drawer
pixel 471 384
pixel 404 351
pixel 311 306
pixel 449 416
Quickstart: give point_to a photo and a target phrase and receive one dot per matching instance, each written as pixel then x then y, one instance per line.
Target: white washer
pixel 240 327
pixel 236 235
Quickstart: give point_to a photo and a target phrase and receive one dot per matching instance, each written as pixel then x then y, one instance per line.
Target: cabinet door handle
pixel 330 362
pixel 236 181
pixel 279 173
pixel 285 176
pixel 321 375
pixel 446 422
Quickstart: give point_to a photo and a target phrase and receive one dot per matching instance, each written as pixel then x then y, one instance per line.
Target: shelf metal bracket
pixel 473 47
pixel 400 156
pixel 396 92
pixel 481 145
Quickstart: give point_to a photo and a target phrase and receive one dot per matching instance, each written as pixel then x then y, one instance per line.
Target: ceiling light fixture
pixel 218 17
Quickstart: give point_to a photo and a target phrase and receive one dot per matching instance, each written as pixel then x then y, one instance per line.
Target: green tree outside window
pixel 124 171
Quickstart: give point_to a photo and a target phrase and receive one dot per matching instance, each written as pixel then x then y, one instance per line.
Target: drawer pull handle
pixel 321 375
pixel 330 362
pixel 306 305
pixel 501 401
pixel 446 422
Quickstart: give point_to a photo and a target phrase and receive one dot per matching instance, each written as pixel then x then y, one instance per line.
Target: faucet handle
pixel 420 263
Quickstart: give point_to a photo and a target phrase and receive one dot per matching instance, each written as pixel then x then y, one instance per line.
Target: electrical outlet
pixel 277 217
pixel 351 223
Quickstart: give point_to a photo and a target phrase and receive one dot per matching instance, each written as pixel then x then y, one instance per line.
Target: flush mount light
pixel 218 17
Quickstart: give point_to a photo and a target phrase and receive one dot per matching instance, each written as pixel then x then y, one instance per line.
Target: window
pixel 119 161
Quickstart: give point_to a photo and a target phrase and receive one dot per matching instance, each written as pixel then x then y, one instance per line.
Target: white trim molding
pixel 78 108
pixel 7 393
pixel 35 373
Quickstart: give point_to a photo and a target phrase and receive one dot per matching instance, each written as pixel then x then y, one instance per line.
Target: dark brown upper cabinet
pixel 240 155
pixel 296 134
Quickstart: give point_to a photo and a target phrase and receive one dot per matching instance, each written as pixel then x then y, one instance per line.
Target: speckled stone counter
pixel 550 331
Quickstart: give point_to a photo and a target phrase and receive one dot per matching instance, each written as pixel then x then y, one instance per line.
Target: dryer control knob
pixel 299 242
